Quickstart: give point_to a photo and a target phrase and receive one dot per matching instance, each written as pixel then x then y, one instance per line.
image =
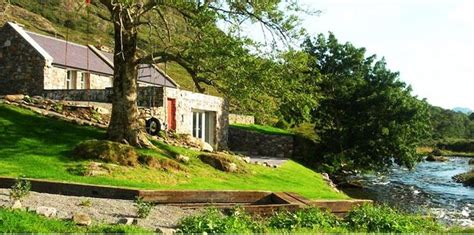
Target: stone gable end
pixel 21 65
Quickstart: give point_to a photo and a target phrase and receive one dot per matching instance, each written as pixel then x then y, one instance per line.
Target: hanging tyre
pixel 153 126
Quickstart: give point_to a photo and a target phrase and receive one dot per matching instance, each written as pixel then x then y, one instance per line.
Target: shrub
pixel 107 151
pixel 308 218
pixel 143 208
pixel 213 221
pixel 372 218
pixel 20 189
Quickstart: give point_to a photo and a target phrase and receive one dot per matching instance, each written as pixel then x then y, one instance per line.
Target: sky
pixel 430 42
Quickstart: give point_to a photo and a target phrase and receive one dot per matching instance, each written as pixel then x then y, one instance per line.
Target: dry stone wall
pixel 259 144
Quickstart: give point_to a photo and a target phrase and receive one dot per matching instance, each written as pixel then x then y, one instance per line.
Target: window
pixel 83 81
pixel 69 79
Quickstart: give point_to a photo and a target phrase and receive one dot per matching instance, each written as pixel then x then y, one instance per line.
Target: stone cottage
pixel 36 64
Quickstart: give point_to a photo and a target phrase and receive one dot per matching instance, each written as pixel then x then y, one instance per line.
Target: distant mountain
pixel 463 110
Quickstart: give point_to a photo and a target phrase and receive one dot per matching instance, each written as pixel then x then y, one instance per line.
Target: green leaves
pixel 367 118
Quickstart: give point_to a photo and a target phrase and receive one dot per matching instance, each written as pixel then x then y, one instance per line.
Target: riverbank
pixel 428 189
pixel 425 151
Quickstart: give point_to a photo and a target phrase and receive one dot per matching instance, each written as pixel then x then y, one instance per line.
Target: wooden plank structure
pixel 254 202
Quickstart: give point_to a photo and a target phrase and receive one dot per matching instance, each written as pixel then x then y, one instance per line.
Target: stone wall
pixel 259 144
pixel 21 65
pixel 100 81
pixel 187 102
pixel 55 79
pixel 241 119
pixel 147 96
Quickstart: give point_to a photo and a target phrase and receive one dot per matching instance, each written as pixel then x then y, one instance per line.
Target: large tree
pixel 367 118
pixel 197 39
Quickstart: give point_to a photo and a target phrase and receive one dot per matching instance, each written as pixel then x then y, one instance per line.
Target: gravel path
pixel 107 211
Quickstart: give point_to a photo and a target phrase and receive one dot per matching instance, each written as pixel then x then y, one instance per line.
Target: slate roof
pixel 83 58
pixel 76 56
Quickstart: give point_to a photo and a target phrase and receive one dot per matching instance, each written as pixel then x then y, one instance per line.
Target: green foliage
pixel 367 218
pixel 143 208
pixel 367 117
pixel 309 218
pixel 213 221
pixel 383 219
pixel 448 124
pixel 20 189
pixel 456 145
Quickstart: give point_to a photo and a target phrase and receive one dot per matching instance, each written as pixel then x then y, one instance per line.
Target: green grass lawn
pixel 15 221
pixel 39 147
pixel 263 129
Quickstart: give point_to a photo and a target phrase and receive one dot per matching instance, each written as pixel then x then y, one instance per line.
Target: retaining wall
pixel 256 143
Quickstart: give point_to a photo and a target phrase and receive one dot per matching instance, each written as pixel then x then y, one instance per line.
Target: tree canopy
pixel 367 118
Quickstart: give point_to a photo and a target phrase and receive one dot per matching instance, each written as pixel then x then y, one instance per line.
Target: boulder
pixel 81 219
pixel 432 158
pixel 182 158
pixel 471 161
pixel 127 221
pixel 232 167
pixel 166 231
pixel 46 211
pixel 219 162
pixel 467 179
pixel 16 205
pixel 206 147
pixel 14 98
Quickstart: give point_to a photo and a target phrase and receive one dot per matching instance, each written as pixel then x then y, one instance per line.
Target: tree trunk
pixel 124 124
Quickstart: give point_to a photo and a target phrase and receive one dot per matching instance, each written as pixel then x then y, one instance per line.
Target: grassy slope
pixel 38 147
pixel 28 222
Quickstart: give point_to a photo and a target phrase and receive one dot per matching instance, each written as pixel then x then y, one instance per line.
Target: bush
pixel 213 221
pixel 143 208
pixel 371 218
pixel 107 151
pixel 20 189
pixel 309 218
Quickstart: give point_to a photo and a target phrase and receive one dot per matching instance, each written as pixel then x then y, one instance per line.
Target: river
pixel 428 189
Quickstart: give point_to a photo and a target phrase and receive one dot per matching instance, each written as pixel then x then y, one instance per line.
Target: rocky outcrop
pixel 432 158
pixel 467 179
pixel 220 162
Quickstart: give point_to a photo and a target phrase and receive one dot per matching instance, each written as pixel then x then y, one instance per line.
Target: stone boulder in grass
pixel 107 151
pixel 221 162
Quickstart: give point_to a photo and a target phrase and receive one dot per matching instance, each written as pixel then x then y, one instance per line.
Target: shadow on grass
pixel 22 133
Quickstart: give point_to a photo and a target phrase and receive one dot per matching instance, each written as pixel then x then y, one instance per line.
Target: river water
pixel 429 189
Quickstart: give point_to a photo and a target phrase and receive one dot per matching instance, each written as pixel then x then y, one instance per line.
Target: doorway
pixel 171 105
pixel 204 126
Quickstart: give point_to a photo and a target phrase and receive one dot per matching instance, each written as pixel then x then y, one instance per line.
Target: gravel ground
pixel 107 211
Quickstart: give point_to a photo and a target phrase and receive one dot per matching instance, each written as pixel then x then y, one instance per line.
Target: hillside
pixel 85 26
pixel 37 147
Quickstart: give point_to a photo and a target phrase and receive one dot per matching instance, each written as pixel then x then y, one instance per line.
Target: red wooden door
pixel 171 114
